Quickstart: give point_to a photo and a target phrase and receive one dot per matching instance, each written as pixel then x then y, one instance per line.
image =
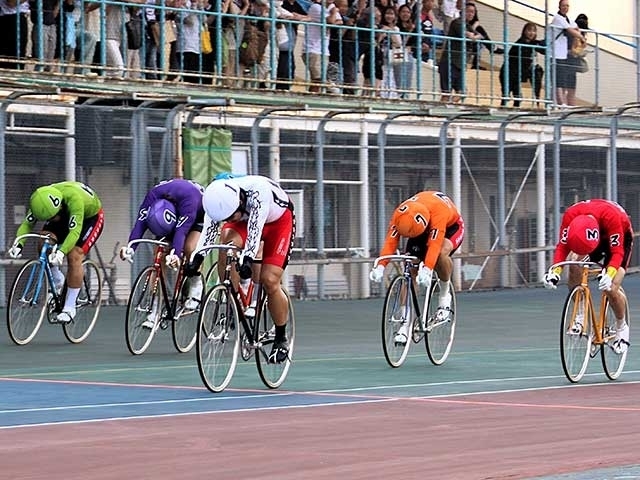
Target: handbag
pixel 205 40
pixel 398 55
pixel 580 64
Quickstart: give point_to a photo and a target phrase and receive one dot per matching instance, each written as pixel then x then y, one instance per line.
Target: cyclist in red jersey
pixel 601 230
pixel 435 230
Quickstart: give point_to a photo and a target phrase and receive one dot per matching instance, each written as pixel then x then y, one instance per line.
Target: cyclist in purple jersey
pixel 173 210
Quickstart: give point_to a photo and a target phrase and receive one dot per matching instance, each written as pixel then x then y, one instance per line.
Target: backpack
pixel 253 45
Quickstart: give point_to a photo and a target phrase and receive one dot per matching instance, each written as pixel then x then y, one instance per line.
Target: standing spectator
pixel 44 34
pixel 563 31
pixel 86 40
pixel 522 66
pixel 286 61
pixel 406 25
pixel 14 31
pixel 452 60
pixel 473 25
pixel 448 11
pixel 393 53
pixel 316 45
pixel 233 28
pixel 188 40
pixel 368 46
pixel 424 47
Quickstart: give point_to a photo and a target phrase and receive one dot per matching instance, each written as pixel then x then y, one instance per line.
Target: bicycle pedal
pixel 164 324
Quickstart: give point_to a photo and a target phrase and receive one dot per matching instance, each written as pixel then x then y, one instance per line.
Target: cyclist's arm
pixel 434 243
pixel 76 219
pixel 26 226
pixel 390 245
pixel 210 230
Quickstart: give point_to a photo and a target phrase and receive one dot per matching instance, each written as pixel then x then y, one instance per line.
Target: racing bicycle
pixel 33 297
pixel 402 304
pixel 227 331
pixel 585 332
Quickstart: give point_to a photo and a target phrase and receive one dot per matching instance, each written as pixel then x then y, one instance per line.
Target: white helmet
pixel 221 199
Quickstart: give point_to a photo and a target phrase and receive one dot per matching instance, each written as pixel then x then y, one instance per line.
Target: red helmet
pixel 411 220
pixel 583 234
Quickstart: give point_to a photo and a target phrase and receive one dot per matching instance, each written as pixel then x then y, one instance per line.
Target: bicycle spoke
pixel 88 304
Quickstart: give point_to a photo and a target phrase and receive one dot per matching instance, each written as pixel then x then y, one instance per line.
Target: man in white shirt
pixel 563 31
pixel 316 45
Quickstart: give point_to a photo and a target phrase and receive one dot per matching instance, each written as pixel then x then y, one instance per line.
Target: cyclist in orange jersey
pixel 434 229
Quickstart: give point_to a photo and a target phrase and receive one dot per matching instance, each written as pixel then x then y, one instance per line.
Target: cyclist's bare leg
pixel 190 243
pixel 271 278
pixel 616 299
pixel 75 273
pixel 444 267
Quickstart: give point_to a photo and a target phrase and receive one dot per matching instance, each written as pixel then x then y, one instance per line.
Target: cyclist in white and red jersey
pixel 255 209
pixel 600 229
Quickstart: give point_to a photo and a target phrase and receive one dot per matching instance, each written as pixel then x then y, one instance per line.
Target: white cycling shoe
pixel 402 335
pixel 621 342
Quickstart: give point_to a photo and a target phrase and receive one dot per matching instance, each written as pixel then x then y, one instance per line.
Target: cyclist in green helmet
pixel 73 216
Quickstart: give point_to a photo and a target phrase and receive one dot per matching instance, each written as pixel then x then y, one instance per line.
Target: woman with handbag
pixel 563 32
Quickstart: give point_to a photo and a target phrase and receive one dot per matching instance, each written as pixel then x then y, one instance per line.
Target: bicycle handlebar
pixel 411 258
pixel 582 263
pixel 223 246
pixel 148 240
pixel 45 237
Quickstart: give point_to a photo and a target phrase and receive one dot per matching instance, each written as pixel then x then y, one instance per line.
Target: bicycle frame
pixel 409 263
pixel 48 246
pixel 597 321
pixel 242 298
pixel 158 255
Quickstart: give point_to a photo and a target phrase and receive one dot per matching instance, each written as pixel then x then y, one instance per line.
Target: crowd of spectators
pixel 253 43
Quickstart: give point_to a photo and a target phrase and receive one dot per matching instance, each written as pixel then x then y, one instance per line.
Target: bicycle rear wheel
pixel 218 341
pixel 612 362
pixel 440 329
pixel 273 374
pixel 143 311
pixel 396 313
pixel 575 334
pixel 27 304
pixel 184 325
pixel 87 305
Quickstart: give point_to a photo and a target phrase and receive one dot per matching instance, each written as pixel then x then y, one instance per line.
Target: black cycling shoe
pixel 279 351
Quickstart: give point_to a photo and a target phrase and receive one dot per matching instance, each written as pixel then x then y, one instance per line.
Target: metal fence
pixel 105 44
pixel 511 175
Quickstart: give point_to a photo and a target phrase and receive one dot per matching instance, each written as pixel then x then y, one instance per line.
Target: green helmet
pixel 45 202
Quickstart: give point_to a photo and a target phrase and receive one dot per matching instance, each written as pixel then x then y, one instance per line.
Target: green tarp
pixel 206 152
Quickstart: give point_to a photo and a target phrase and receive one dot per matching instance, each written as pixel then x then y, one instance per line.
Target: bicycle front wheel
pixel 218 339
pixel 27 305
pixel 441 326
pixel 274 374
pixel 575 334
pixel 185 322
pixel 612 362
pixel 397 319
pixel 143 311
pixel 87 305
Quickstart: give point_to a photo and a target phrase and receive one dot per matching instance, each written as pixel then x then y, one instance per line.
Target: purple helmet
pixel 162 218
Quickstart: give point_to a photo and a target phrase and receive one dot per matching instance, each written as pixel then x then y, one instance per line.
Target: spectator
pixel 448 11
pixel 473 25
pixel 44 34
pixel 233 29
pixel 452 60
pixel 86 40
pixel 372 55
pixel 189 21
pixel 426 52
pixel 522 66
pixel 14 25
pixel 393 52
pixel 286 61
pixel 340 50
pixel 316 47
pixel 563 31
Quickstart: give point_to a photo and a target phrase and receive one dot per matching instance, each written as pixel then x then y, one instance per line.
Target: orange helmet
pixel 411 219
pixel 583 235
